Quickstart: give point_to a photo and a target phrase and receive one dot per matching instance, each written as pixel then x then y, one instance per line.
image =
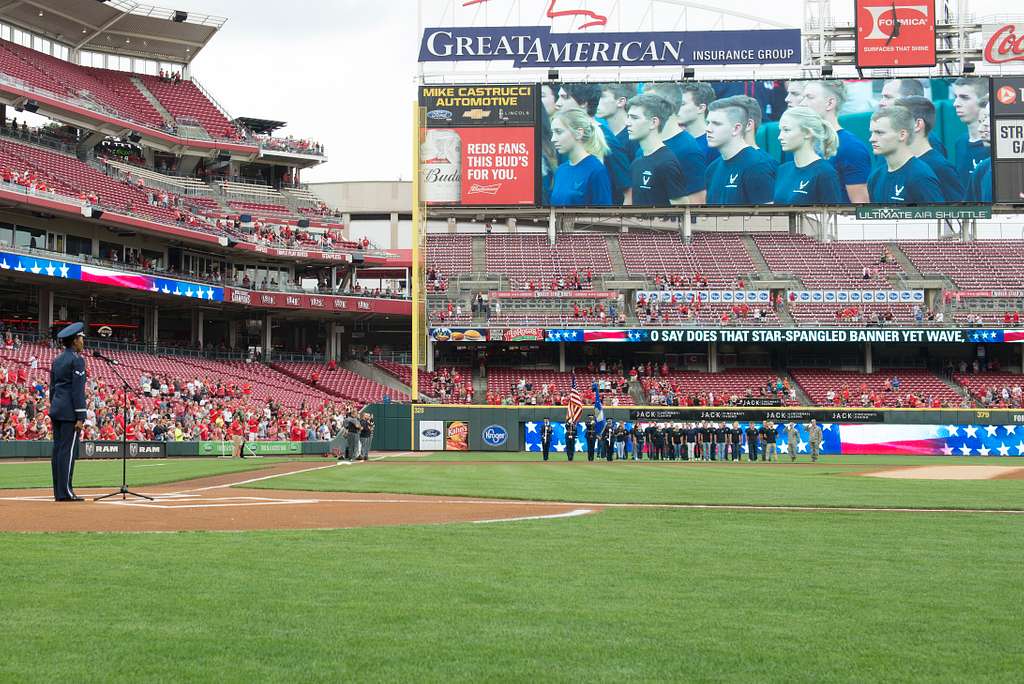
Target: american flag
pixel 575 406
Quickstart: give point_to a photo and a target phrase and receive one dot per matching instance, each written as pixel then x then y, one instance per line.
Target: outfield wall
pixel 897 431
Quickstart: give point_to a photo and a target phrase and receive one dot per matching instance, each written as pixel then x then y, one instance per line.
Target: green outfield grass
pixel 825 484
pixel 140 472
pixel 625 595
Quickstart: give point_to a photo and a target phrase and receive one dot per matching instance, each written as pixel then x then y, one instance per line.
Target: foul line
pixel 569 514
pixel 261 479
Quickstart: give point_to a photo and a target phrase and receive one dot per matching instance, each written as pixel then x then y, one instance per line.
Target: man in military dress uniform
pixel 570 439
pixel 752 434
pixel 546 433
pixel 591 434
pixel 67 410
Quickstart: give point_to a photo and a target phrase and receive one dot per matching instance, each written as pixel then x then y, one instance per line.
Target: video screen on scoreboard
pixel 478 145
pixel 757 143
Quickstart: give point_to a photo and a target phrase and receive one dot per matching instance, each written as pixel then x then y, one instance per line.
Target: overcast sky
pixel 344 71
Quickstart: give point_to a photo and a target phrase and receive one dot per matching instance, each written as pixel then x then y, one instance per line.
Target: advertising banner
pixel 554 294
pixel 523 335
pixel 480 144
pixel 856 296
pixel 708 296
pixel 812 336
pixel 538 46
pixel 112 449
pixel 719 143
pixel 431 435
pixel 872 213
pixel 284 300
pixel 459 334
pixel 215 448
pixel 895 34
pixel 1009 137
pixel 1003 43
pixel 1008 96
pixel 456 436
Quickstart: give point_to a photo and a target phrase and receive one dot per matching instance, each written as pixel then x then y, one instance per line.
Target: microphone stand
pixel 123 491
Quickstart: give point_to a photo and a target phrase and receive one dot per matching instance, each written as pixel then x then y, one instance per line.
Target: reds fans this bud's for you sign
pixel 895 33
pixel 479 144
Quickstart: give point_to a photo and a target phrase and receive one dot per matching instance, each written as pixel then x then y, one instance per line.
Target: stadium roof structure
pixel 121 26
pixel 256 125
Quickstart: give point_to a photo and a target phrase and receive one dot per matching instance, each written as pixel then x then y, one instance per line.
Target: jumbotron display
pixel 900 142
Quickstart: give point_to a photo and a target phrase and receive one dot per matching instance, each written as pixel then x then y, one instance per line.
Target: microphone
pixel 109 360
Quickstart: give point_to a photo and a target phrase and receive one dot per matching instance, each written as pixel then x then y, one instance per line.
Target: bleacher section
pixel 979 265
pixel 185 100
pixel 805 313
pixel 432 381
pixel 64 79
pixel 264 381
pixel 530 258
pixel 68 176
pixel 917 388
pixel 721 259
pixel 987 389
pixel 501 383
pixel 685 314
pixel 340 382
pixel 693 388
pixel 827 265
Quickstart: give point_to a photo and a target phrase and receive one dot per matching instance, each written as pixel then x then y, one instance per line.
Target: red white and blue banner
pixel 995 336
pixel 67 270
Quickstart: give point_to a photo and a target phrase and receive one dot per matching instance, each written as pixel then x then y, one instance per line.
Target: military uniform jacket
pixel 814 435
pixel 545 434
pixel 67 387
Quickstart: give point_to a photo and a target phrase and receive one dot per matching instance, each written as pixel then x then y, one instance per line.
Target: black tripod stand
pixel 125 388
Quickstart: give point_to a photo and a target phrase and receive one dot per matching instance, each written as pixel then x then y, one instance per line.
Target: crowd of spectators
pixel 451 385
pixel 695 281
pixel 890 394
pixel 290 144
pixel 570 281
pixel 663 390
pixel 166 409
pixel 436 281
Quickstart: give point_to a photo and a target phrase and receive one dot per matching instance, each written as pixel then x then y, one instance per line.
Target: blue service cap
pixel 71 331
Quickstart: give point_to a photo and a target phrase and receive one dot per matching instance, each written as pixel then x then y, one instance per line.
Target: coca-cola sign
pixel 1003 43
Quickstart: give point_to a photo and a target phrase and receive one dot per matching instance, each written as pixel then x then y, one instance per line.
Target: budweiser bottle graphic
pixel 441 166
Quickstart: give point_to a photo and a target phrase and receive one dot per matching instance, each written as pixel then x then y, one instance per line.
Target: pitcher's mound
pixel 954 472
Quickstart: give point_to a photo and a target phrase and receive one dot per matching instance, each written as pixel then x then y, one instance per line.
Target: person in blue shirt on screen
pixel 657 177
pixel 582 179
pixel 909 87
pixel 923 111
pixel 687 151
pixel 980 189
pixel 754 117
pixel 809 179
pixel 693 115
pixel 853 159
pixel 743 175
pixel 587 96
pixel 611 109
pixel 904 179
pixel 970 97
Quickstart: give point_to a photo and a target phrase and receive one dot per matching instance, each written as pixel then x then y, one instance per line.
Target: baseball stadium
pixel 677 343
